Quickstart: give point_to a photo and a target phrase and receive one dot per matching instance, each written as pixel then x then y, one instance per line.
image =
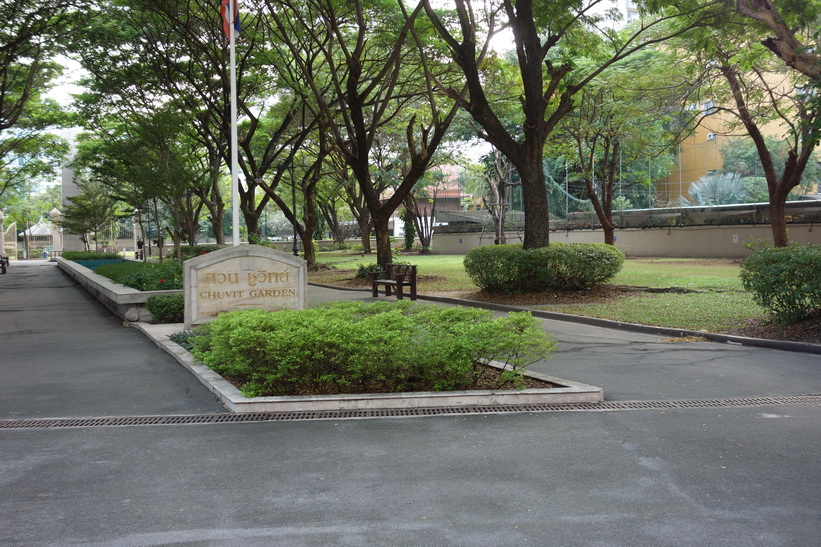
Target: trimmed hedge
pixel 145 276
pixel 166 308
pixel 784 280
pixel 352 347
pixel 566 266
pixel 89 255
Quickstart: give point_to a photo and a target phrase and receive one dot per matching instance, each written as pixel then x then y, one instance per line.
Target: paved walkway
pixel 711 475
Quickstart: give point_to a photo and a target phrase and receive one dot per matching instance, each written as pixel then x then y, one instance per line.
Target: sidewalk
pixel 711 475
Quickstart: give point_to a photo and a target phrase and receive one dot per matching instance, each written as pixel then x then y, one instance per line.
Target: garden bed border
pixel 235 401
pixel 126 302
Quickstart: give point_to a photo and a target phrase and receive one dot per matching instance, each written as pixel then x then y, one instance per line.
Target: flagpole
pixel 234 138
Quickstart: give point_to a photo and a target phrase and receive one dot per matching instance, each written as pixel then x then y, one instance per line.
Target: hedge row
pixel 89 255
pixel 567 266
pixel 351 347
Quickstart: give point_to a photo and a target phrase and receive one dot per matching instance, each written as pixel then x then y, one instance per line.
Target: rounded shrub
pixel 166 308
pixel 784 280
pixel 566 266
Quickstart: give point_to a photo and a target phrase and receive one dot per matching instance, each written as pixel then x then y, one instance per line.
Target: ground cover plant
pixel 145 276
pixel 351 347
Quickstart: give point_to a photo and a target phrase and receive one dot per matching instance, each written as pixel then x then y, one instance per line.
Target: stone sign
pixel 240 277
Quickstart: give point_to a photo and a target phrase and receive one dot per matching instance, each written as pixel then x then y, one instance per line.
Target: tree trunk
pixel 365 232
pixel 778 221
pixel 609 234
pixel 306 234
pixel 384 254
pixel 537 227
pixel 216 219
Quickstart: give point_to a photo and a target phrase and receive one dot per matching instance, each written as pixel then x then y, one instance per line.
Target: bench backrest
pixel 400 269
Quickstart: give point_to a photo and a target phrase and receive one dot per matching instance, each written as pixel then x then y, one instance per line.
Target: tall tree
pixel 631 111
pixel 757 93
pixel 547 36
pixel 365 67
pixel 29 39
pixel 89 212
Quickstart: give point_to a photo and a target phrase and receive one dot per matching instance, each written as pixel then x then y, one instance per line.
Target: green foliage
pixel 184 338
pixel 785 280
pixel 352 347
pixel 509 268
pixel 410 229
pixel 363 271
pixel 89 255
pixel 193 251
pixel 166 308
pixel 145 276
pixel 720 189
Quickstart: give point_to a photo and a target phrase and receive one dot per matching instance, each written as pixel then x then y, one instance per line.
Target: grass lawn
pixel 718 302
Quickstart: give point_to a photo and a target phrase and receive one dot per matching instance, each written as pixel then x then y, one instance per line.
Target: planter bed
pixel 125 302
pixel 230 396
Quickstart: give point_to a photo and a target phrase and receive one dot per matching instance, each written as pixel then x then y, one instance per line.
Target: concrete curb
pixel 801 347
pixel 230 396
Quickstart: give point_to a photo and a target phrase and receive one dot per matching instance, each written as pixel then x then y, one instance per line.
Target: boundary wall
pixel 672 242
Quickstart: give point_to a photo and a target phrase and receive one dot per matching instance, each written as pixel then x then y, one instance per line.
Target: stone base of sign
pixel 242 277
pixel 235 401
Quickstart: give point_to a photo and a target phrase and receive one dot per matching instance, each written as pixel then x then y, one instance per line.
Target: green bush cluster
pixel 566 266
pixel 364 271
pixel 89 255
pixel 784 280
pixel 193 251
pixel 145 276
pixel 166 308
pixel 352 347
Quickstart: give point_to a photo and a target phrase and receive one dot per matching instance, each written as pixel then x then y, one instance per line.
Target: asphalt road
pixel 705 475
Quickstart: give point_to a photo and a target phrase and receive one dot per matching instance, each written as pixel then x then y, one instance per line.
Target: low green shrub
pixel 565 266
pixel 145 276
pixel 352 347
pixel 89 255
pixel 166 308
pixel 364 271
pixel 784 280
pixel 184 338
pixel 192 251
pixel 342 246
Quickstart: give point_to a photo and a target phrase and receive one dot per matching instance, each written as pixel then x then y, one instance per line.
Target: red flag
pixel 226 23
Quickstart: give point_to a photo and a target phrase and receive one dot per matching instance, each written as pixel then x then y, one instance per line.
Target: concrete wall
pixel 127 303
pixel 681 242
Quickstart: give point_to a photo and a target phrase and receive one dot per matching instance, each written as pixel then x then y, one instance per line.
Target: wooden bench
pixel 396 276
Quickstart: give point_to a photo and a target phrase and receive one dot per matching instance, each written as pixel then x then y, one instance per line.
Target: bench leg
pixel 399 294
pixel 413 292
pixel 375 290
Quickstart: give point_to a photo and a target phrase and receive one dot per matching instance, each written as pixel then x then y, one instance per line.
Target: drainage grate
pixel 604 406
